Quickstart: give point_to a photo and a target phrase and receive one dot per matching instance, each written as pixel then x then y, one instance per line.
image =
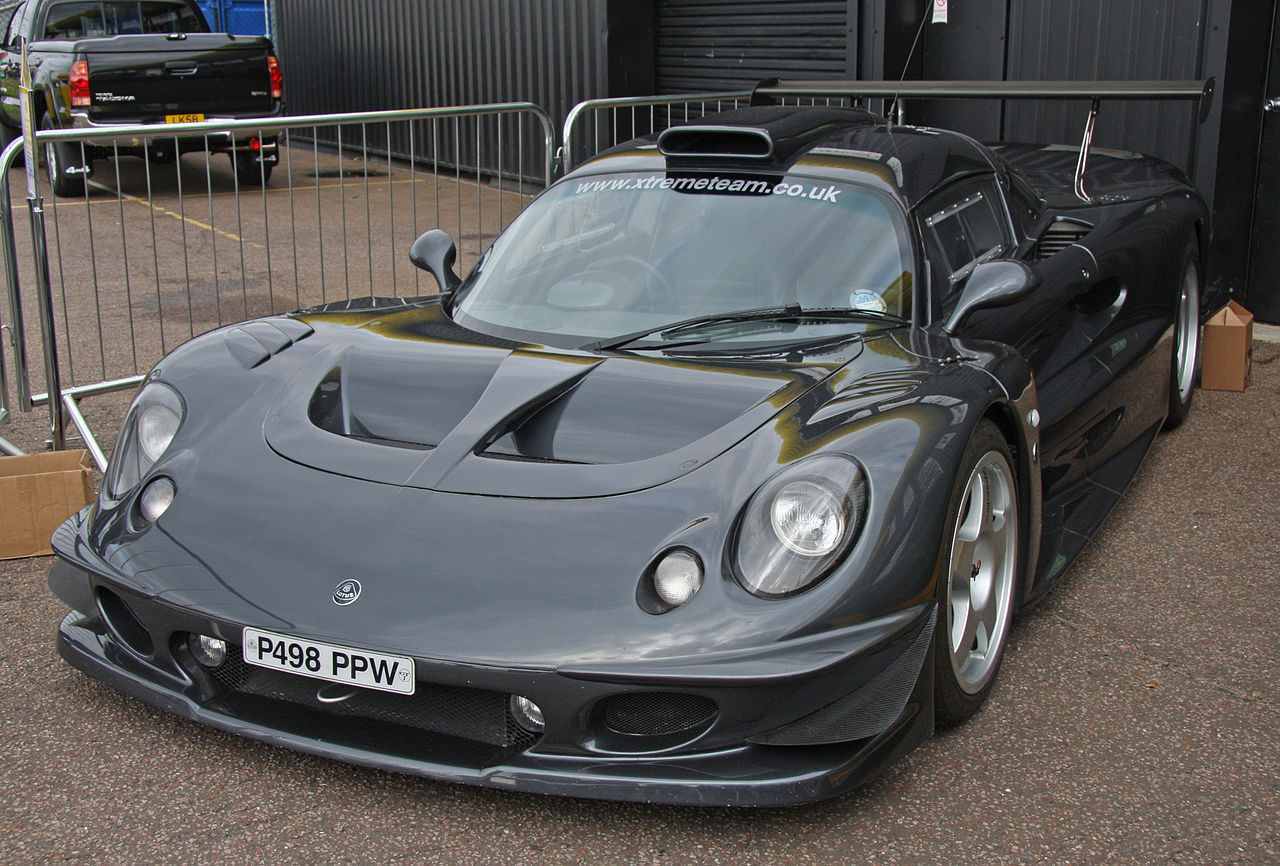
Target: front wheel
pixel 1186 340
pixel 977 580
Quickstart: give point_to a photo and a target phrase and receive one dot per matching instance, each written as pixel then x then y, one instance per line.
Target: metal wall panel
pixel 1108 39
pixel 714 45
pixel 340 55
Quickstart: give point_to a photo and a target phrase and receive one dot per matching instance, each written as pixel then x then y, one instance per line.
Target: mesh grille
pixel 1099 434
pixel 470 714
pixel 658 713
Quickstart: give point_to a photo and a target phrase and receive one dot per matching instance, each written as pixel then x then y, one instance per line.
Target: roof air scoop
pixel 716 141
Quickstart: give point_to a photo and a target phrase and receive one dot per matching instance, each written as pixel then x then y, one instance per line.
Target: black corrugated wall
pixel 343 55
pixel 364 55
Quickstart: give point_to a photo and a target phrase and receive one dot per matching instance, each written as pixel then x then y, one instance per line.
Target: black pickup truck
pixel 100 62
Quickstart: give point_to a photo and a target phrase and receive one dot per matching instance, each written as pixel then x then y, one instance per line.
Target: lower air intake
pixel 650 721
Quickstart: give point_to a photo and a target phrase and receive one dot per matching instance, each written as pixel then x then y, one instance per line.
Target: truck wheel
pixel 57 159
pixel 250 172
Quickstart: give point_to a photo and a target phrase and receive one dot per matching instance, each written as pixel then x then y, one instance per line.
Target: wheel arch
pixel 1023 440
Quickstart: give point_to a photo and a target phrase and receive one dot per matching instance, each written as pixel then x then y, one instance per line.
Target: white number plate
pixel 337 664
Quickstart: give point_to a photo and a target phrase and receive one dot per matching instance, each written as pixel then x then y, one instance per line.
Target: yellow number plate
pixel 183 118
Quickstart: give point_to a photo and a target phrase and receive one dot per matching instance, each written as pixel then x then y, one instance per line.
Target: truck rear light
pixel 276 77
pixel 79 82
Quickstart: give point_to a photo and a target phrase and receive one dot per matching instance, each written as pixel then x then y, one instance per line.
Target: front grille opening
pixel 125 626
pixel 434 719
pixel 653 721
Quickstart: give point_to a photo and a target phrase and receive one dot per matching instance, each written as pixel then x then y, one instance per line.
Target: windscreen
pixel 89 19
pixel 609 255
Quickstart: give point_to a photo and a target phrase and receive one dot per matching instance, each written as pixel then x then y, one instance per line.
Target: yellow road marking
pixel 133 199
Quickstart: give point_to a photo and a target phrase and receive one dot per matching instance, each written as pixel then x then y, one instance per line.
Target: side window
pixel 962 228
pixel 73 21
pixel 169 18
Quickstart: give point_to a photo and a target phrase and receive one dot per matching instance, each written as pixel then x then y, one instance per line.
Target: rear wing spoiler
pixel 773 91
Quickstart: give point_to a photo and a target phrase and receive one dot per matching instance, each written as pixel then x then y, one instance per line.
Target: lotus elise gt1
pixel 719 479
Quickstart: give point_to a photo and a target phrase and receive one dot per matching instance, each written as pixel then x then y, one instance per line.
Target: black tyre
pixel 250 172
pixel 977 577
pixel 1185 370
pixel 58 159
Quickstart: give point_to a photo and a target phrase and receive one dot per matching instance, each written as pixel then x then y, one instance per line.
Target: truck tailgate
pixel 146 77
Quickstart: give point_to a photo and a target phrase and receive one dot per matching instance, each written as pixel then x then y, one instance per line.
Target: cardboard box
pixel 38 492
pixel 1227 350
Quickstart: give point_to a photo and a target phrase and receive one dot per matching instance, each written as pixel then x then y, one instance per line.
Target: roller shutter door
pixel 708 45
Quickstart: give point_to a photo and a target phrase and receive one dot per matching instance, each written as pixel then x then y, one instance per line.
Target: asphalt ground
pixel 1134 719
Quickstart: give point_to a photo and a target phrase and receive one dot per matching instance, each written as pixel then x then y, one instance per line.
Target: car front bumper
pixel 771 727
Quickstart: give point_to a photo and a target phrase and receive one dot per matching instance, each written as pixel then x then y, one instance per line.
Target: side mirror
pixel 993 284
pixel 434 251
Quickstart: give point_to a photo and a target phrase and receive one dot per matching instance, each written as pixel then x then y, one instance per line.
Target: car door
pixel 970 222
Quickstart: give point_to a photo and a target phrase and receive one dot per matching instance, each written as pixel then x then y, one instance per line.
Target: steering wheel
pixel 655 281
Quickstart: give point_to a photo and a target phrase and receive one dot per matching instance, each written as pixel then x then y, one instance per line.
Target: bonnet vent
pixel 731 141
pixel 1060 235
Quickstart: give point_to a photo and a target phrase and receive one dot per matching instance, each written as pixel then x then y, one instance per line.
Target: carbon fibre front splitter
pixel 748 775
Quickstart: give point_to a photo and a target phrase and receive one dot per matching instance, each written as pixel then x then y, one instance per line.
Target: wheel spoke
pixel 975 509
pixel 997 520
pixel 960 614
pixel 987 617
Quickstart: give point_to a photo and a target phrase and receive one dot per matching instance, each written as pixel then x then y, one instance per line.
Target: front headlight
pixel 149 428
pixel 799 525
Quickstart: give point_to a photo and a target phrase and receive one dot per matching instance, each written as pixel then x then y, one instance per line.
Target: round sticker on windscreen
pixel 865 299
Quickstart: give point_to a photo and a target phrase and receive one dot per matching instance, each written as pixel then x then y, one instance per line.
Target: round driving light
pixel 677 577
pixel 528 715
pixel 156 499
pixel 807 518
pixel 209 651
pixel 157 425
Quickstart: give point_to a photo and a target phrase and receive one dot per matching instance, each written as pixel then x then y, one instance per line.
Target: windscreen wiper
pixel 757 314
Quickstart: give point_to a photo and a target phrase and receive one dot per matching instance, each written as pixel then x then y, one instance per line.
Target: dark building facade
pixel 348 55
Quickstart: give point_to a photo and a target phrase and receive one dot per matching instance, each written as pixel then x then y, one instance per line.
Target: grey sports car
pixel 718 480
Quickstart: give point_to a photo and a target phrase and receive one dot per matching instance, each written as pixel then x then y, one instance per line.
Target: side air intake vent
pixel 723 141
pixel 1060 235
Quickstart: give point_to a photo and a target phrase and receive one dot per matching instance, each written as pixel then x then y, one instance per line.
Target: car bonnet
pixel 456 412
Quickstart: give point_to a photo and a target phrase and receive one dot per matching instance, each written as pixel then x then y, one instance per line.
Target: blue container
pixel 241 17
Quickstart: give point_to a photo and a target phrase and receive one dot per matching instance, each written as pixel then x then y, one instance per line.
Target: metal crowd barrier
pixel 598 124
pixel 148 271
pixel 158 249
